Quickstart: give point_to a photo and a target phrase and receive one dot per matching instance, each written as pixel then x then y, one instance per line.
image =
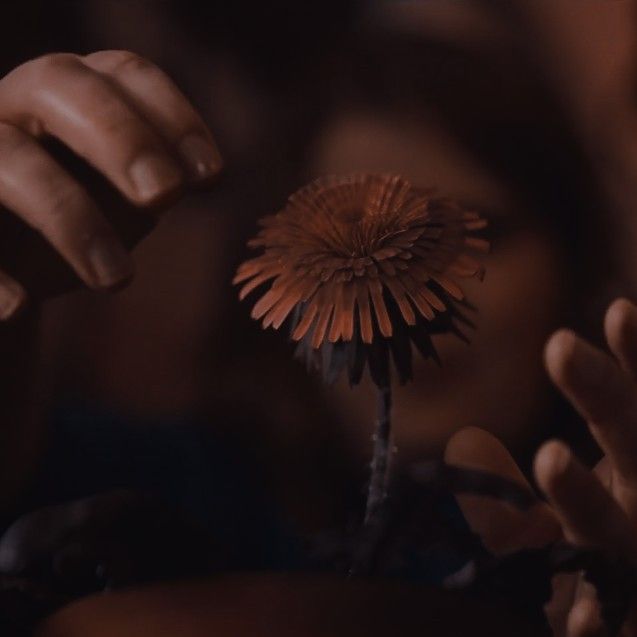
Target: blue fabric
pixel 95 450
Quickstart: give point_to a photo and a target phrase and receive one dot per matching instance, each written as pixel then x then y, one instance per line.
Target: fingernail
pixel 110 262
pixel 153 175
pixel 201 157
pixel 12 299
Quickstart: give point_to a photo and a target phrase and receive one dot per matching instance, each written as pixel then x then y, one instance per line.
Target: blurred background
pixel 525 111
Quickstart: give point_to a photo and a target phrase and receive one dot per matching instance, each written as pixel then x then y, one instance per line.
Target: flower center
pixel 352 214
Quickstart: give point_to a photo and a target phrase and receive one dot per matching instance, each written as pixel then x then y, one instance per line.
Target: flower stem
pixel 371 538
pixel 379 479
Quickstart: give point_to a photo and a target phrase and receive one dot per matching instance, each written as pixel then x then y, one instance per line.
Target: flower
pixel 364 264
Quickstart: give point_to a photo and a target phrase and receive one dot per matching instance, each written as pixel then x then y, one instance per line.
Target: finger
pixel 12 297
pixel 588 514
pixel 60 96
pixel 155 96
pixel 585 619
pixel 39 191
pixel 502 528
pixel 620 326
pixel 564 587
pixel 602 393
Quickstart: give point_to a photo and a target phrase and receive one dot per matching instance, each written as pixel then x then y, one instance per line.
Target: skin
pixel 128 120
pixel 124 117
pixel 588 51
pixel 600 386
pixel 591 508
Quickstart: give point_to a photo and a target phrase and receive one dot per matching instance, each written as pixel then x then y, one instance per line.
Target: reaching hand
pixel 595 509
pixel 124 117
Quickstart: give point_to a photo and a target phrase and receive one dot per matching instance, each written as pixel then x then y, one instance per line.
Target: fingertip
pixel 202 159
pixel 584 618
pixel 119 285
pixel 618 315
pixel 620 326
pixel 465 442
pixel 476 448
pixel 551 463
pixel 110 264
pixel 619 309
pixel 13 299
pixel 154 179
pixel 558 353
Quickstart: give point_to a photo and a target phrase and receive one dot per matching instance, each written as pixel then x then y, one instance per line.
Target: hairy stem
pixel 379 479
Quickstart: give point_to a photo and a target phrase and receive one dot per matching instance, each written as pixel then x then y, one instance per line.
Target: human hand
pixel 125 119
pixel 593 509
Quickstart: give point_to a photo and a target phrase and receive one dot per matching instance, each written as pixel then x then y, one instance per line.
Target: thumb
pixel 502 528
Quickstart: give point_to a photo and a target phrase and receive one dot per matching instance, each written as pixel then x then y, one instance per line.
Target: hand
pixel 595 509
pixel 122 116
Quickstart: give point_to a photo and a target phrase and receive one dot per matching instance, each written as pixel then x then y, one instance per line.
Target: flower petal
pixel 364 311
pixel 384 322
pixel 400 295
pixel 421 303
pixel 256 282
pixel 306 321
pixel 449 286
pixel 321 324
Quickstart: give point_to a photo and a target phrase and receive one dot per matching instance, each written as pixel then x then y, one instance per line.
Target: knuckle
pixel 29 82
pixel 46 74
pixel 51 62
pixel 129 61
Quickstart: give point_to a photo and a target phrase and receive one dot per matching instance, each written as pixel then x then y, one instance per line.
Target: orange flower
pixel 363 263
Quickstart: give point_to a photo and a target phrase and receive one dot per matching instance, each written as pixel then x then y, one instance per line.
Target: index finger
pixel 157 97
pixel 60 96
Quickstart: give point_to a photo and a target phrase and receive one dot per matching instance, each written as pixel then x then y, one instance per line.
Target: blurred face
pixel 498 381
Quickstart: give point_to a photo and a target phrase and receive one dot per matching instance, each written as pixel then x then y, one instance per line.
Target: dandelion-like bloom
pixel 364 265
